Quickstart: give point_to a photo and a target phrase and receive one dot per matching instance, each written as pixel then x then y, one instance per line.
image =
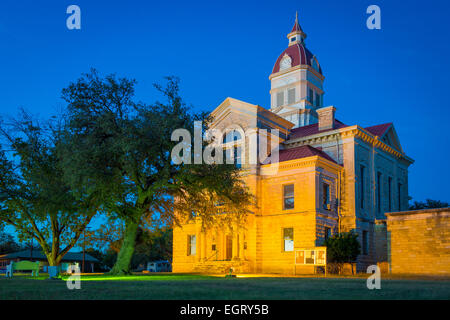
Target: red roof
pixel 312 129
pixel 299 56
pixel 296 27
pixel 380 129
pixel 302 152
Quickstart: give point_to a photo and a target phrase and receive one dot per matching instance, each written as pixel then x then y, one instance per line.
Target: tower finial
pixel 296 35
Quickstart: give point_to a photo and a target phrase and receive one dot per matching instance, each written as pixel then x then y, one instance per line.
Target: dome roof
pixel 299 55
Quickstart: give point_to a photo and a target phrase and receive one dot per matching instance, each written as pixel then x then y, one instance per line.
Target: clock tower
pixel 297 81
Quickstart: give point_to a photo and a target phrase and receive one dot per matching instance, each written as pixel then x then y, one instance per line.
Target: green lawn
pixel 173 286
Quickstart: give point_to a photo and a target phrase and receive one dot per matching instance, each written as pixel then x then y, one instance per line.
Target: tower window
pixel 318 100
pixel 399 197
pixel 310 96
pixel 293 39
pixel 291 96
pixel 280 99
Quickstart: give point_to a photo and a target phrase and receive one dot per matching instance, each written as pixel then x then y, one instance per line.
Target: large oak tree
pixel 116 141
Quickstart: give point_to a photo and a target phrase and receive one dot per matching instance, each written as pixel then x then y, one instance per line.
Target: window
pixel 310 96
pixel 213 247
pixel 379 192
pixel 291 96
pixel 232 135
pixel 317 100
pixel 293 39
pixel 192 241
pixel 238 157
pixel 288 197
pixel 390 193
pixel 280 99
pixel 399 187
pixel 326 197
pixel 365 242
pixel 361 186
pixel 327 233
pixel 288 237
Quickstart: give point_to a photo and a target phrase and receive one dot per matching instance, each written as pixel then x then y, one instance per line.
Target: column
pixel 241 245
pixel 203 246
pixel 235 247
pixel 197 245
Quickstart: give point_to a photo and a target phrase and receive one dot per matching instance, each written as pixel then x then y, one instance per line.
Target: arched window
pixel 232 135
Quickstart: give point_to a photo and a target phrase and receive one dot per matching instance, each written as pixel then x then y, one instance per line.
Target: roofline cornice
pixel 347 132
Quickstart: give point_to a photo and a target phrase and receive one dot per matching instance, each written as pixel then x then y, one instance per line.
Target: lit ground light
pixel 197 287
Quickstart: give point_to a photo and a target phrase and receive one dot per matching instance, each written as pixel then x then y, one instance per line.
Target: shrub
pixel 342 248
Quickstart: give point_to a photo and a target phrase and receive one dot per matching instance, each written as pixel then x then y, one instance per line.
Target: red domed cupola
pixel 296 53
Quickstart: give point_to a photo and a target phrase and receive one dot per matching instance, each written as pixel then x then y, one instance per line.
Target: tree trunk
pixel 123 262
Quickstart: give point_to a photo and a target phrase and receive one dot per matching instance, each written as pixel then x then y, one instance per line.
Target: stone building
pixel 331 177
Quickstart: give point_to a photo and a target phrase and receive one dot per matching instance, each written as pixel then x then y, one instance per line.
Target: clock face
pixel 285 63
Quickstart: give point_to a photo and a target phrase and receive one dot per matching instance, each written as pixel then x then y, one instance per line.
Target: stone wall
pixel 419 241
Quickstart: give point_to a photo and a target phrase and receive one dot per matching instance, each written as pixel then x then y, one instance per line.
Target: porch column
pixel 235 247
pixel 223 247
pixel 197 245
pixel 241 245
pixel 203 246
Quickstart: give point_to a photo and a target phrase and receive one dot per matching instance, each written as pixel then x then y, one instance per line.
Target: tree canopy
pixel 124 148
pixel 34 197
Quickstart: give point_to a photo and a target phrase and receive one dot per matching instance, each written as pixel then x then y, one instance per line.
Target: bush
pixel 342 248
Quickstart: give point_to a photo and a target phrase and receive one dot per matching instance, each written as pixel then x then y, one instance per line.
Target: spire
pixel 296 26
pixel 296 35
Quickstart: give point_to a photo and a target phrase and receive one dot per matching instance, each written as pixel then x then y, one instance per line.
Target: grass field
pixel 197 287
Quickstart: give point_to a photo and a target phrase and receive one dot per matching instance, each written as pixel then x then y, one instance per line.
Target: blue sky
pixel 227 49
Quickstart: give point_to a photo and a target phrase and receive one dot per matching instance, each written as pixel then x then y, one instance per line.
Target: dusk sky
pixel 227 49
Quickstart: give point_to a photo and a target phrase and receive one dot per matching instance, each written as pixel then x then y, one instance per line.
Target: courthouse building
pixel 332 176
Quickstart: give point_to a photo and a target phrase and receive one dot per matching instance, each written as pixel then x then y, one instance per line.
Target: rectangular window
pixel 327 233
pixel 326 197
pixel 317 100
pixel 379 192
pixel 288 197
pixel 310 96
pixel 192 242
pixel 390 193
pixel 399 195
pixel 293 39
pixel 280 99
pixel 361 186
pixel 291 96
pixel 365 242
pixel 288 237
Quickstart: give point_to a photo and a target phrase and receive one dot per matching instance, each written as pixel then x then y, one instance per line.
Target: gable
pixel 232 112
